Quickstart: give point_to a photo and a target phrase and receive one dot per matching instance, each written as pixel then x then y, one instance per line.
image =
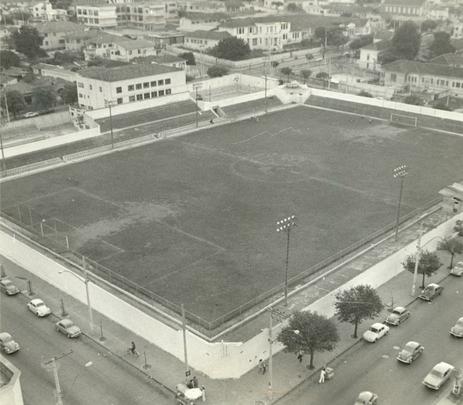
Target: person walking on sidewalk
pixel 203 393
pixel 322 376
pixel 300 354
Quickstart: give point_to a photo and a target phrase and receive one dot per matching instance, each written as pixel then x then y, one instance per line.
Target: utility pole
pixel 185 351
pixel 89 305
pixel 52 365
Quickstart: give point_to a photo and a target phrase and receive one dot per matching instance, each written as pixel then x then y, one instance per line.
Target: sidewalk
pixel 250 389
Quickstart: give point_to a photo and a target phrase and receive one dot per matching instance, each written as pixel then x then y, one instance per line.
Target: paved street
pixel 87 376
pixel 374 366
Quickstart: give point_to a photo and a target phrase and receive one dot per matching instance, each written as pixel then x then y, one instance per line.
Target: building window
pixel 457 85
pixel 118 89
pixel 138 86
pixel 153 83
pixel 81 85
pixel 146 95
pixel 130 87
pixel 119 101
pixel 393 77
pixel 167 81
pixel 161 93
pixel 101 89
pixel 139 96
pixel 146 85
pixel 154 94
pixel 168 91
pixel 131 99
pixel 160 82
pixel 90 87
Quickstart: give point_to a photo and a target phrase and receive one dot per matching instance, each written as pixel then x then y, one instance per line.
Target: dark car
pixel 430 292
pixel 410 352
pixel 397 316
pixel 7 287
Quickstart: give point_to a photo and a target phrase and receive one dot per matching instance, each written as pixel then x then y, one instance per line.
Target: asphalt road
pixel 373 366
pixel 88 375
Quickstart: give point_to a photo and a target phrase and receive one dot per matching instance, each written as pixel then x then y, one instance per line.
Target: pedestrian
pixel 322 376
pixel 260 365
pixel 300 353
pixel 211 121
pixel 194 380
pixel 203 393
pixel 264 367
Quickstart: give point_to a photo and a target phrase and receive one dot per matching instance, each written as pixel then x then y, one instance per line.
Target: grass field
pixel 193 218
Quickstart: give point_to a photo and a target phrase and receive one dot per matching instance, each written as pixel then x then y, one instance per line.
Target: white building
pixel 126 50
pixel 128 84
pixel 54 33
pixel 10 384
pixel 201 21
pixel 45 12
pixel 202 40
pixel 101 15
pixel 148 16
pixel 370 54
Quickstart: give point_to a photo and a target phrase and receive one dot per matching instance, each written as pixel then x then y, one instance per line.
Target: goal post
pixel 401 119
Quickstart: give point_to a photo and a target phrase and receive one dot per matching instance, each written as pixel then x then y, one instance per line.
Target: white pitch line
pixel 252 137
pixel 323 289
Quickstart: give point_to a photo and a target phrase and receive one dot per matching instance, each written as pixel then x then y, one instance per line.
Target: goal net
pixel 401 119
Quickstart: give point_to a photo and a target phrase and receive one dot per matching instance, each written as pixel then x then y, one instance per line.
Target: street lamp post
pixel 109 103
pixel 185 351
pixel 286 224
pixel 399 173
pixel 85 280
pixel 3 152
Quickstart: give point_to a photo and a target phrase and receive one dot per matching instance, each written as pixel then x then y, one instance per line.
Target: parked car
pixel 457 330
pixel 440 373
pixel 31 114
pixel 68 328
pixel 366 398
pixel 7 344
pixel 7 287
pixel 398 315
pixel 376 331
pixel 457 270
pixel 38 307
pixel 430 292
pixel 410 352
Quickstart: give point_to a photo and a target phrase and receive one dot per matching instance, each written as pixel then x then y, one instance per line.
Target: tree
pixel 451 245
pixel 189 57
pixel 322 75
pixel 287 71
pixel 442 105
pixel 217 71
pixel 428 264
pixel 43 98
pixel 406 41
pixel 70 93
pixel 334 36
pixel 459 227
pixel 428 25
pixel 441 44
pixel 309 332
pixel 413 100
pixel 357 304
pixel 15 102
pixel 361 42
pixel 8 59
pixel 306 73
pixel 231 48
pixel 294 8
pixel 28 41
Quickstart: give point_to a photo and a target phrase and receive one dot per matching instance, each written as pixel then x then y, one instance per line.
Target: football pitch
pixel 193 218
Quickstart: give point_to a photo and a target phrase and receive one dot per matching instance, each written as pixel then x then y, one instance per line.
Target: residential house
pixel 201 21
pixel 370 54
pixel 165 59
pixel 404 9
pixel 44 11
pixel 127 84
pixel 128 49
pixel 202 40
pixel 202 6
pixel 57 72
pixel 102 15
pixel 54 33
pixel 449 59
pixel 438 13
pixel 147 16
pixel 432 77
pixel 457 29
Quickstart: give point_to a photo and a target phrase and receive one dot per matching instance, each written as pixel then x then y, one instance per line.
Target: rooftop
pixel 377 46
pixel 451 59
pixel 59 26
pixel 207 16
pixel 405 2
pixel 217 35
pixel 126 72
pixel 435 69
pixel 162 59
pixel 133 43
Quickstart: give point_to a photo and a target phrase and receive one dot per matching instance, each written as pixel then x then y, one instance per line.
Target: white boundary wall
pixel 218 360
pixel 236 79
pixel 400 107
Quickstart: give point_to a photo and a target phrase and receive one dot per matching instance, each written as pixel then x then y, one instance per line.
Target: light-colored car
pixel 440 373
pixel 68 328
pixel 432 290
pixel 411 351
pixel 457 329
pixel 38 307
pixel 376 331
pixel 31 114
pixel 7 344
pixel 457 270
pixel 7 287
pixel 367 398
pixel 398 315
